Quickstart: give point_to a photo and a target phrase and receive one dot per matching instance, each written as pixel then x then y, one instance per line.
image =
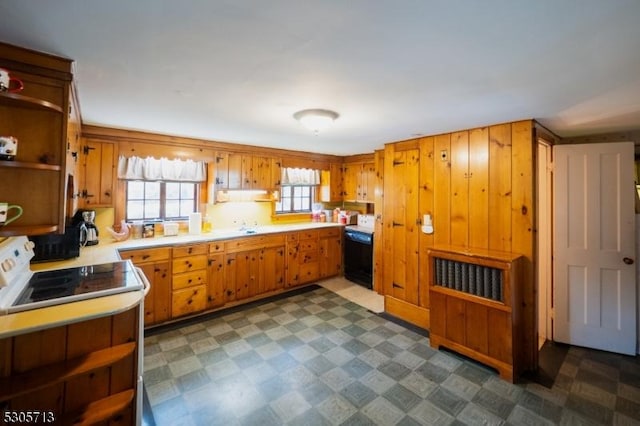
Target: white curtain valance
pixel 135 168
pixel 295 176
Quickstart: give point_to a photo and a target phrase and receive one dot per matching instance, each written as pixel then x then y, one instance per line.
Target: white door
pixel 594 246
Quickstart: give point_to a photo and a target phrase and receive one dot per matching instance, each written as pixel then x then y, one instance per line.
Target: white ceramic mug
pixel 8 147
pixel 6 80
pixel 4 213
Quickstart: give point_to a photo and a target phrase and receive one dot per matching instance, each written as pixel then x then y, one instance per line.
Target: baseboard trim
pixel 408 312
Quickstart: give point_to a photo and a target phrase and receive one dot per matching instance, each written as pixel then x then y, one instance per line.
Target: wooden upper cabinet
pixel 243 171
pixel 37 116
pixel 359 182
pixel 331 183
pixel 99 161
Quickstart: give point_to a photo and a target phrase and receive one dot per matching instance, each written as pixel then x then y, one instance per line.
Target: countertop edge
pixel 68 313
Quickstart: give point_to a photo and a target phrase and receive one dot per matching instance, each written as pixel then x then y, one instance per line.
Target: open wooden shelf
pixel 29 165
pixel 48 375
pixel 13 231
pixel 18 100
pixel 101 410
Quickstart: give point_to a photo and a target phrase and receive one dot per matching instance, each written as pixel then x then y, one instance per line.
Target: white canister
pixel 170 228
pixel 195 223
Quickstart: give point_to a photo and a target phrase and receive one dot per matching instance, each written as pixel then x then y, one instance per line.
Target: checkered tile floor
pixel 317 359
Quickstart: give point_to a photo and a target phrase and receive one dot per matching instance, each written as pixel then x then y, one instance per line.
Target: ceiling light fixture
pixel 316 120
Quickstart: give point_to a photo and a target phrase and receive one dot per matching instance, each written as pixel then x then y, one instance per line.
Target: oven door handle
pixel 145 281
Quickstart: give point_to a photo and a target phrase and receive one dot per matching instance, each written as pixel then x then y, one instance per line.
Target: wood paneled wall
pixel 478 185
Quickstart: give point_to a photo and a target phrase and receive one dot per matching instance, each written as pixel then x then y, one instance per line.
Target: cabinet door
pixel 162 295
pixel 350 183
pixel 293 266
pixel 216 284
pixel 276 173
pixel 235 177
pixel 246 273
pixel 330 256
pixel 271 276
pixel 222 171
pixel 261 173
pixel 331 183
pixel 368 178
pixel 99 173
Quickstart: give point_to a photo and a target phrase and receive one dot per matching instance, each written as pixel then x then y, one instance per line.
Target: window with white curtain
pixel 160 189
pixel 298 190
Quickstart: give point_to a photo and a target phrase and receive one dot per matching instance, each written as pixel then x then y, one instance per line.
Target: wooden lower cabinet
pixel 330 252
pixel 303 257
pixel 156 265
pixel 216 283
pixel 254 267
pixel 194 278
pixel 81 373
pixel 190 266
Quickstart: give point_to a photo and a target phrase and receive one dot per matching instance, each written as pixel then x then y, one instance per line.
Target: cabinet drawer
pixel 216 247
pixel 308 257
pixel 258 241
pixel 147 255
pixel 308 245
pixel 308 272
pixel 189 279
pixel 190 250
pixel 188 301
pixel 186 264
pixel 331 232
pixel 292 237
pixel 308 235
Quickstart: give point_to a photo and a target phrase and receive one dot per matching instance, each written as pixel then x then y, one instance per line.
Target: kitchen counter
pixel 68 313
pixel 107 250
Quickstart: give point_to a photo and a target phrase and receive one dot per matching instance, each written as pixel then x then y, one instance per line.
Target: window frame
pixel 312 197
pixel 162 200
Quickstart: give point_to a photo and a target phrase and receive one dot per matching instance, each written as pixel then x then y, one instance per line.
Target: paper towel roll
pixel 426 220
pixel 195 223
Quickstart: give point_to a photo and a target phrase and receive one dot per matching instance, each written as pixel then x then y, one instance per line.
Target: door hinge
pixel 395 285
pixel 552 313
pixel 551 166
pixel 397 163
pixel 394 224
pixel 86 149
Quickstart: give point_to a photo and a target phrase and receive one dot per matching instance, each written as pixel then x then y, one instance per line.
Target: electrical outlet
pixel 444 155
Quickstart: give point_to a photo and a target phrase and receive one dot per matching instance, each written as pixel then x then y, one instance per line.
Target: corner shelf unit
pixel 476 304
pixel 37 117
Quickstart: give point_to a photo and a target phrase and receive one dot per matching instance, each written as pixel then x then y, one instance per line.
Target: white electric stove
pixel 21 289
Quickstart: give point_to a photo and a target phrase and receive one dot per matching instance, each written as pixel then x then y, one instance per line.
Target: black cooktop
pixel 80 283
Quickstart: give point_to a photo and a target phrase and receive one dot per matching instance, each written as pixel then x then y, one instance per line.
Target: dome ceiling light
pixel 316 120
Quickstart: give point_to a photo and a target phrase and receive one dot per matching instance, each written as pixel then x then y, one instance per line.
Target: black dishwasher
pixel 358 257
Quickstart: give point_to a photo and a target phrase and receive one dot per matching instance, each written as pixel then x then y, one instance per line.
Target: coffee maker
pixel 84 219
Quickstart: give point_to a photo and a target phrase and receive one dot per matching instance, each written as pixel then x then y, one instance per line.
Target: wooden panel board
pixel 477 325
pixel 460 189
pixel 455 313
pixel 412 226
pixel 500 336
pixel 88 336
pixel 413 314
pixel 479 188
pixel 426 194
pixel 442 185
pixel 523 207
pixel 39 348
pixel 387 221
pixel 500 187
pixel 378 254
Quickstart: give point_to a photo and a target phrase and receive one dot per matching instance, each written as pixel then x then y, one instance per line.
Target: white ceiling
pixel 237 70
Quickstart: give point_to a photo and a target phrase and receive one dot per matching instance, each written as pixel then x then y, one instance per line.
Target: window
pixel 152 200
pixel 295 198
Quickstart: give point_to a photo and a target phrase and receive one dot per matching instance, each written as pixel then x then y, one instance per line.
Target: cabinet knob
pixel 628 261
